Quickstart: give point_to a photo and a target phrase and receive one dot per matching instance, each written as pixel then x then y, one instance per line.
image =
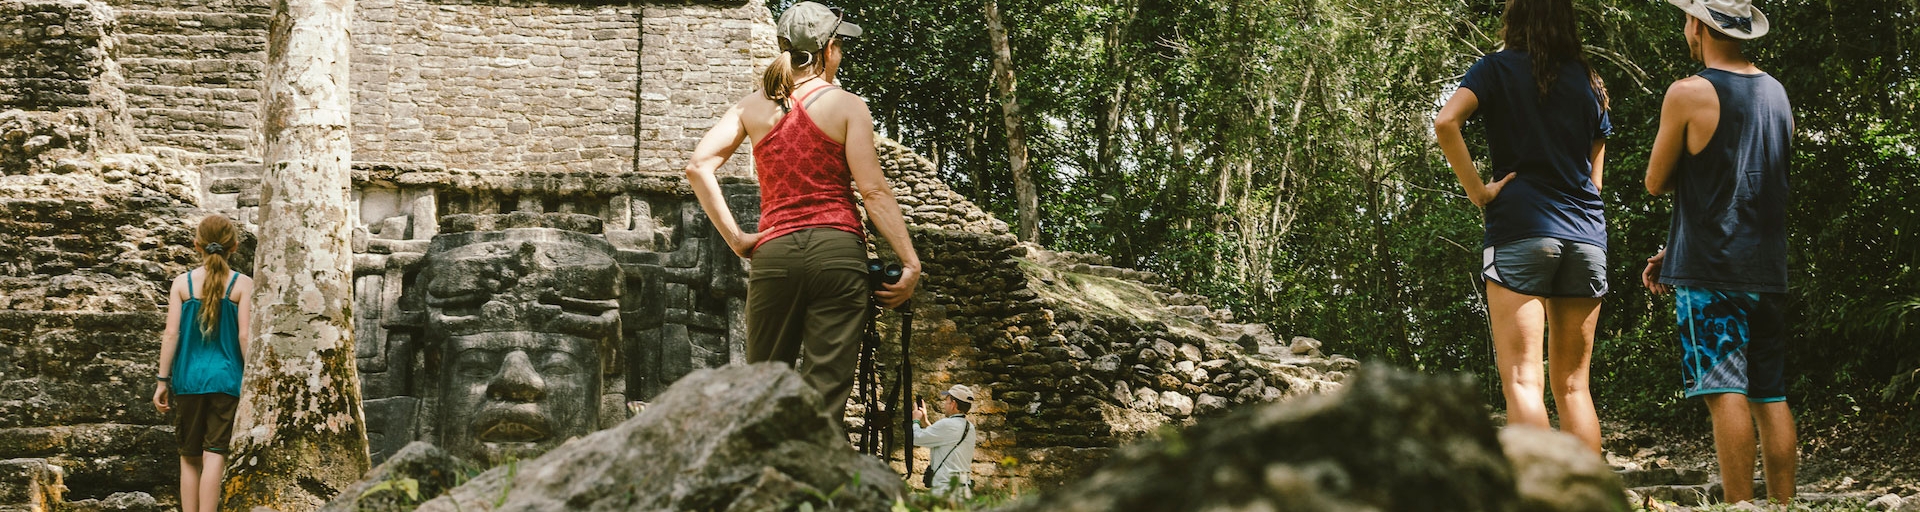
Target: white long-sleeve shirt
pixel 951 439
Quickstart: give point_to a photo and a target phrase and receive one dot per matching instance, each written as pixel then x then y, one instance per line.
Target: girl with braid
pixel 201 356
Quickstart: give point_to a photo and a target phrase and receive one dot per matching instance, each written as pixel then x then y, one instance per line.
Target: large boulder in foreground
pixel 736 438
pixel 417 472
pixel 1555 472
pixel 1389 441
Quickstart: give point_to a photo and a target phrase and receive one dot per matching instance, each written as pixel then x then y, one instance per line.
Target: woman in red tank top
pixel 813 146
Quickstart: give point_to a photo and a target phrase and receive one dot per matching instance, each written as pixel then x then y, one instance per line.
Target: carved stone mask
pixel 524 316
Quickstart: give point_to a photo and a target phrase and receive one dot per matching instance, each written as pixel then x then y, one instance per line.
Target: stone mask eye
pixel 476 364
pixel 558 363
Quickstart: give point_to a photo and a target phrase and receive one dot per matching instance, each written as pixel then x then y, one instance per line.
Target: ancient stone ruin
pixel 530 265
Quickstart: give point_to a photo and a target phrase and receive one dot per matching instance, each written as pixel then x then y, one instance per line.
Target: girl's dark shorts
pixel 203 422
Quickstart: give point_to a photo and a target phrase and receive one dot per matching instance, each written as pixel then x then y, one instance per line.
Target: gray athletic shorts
pixel 1547 267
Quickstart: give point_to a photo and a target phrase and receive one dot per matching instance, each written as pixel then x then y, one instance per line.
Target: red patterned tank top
pixel 804 179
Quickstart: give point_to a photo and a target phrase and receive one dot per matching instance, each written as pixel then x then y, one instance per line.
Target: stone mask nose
pixel 517 380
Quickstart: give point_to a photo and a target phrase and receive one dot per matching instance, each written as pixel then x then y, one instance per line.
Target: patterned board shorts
pixel 1731 342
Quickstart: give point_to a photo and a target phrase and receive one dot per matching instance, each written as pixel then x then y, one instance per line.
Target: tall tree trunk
pixel 1113 104
pixel 1026 199
pixel 299 436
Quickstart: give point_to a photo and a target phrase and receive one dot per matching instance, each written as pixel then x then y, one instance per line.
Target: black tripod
pixel 876 438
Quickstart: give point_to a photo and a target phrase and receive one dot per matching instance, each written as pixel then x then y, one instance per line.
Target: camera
pixel 881 273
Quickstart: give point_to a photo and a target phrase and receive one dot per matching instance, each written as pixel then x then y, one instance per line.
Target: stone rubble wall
pixel 1065 375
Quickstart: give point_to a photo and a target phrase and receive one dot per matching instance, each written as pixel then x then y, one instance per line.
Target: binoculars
pixel 882 273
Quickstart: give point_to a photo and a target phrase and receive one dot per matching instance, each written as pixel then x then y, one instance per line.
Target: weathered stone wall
pixel 697 61
pixel 463 86
pixel 88 241
pixel 53 54
pixel 193 71
pixel 77 386
pixel 548 87
pixel 503 87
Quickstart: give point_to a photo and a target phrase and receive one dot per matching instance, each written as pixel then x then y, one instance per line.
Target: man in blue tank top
pixel 1725 141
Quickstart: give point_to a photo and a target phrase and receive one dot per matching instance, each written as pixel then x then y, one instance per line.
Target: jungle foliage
pixel 1277 155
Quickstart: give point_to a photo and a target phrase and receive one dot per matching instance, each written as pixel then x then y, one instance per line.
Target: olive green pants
pixel 807 299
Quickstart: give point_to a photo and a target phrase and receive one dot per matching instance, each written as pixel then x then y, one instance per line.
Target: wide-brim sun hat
pixel 1738 19
pixel 809 26
pixel 960 392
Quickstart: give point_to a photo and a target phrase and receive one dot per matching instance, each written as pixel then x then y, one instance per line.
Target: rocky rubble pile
pixel 1392 441
pixel 1072 354
pixel 737 438
pixel 925 199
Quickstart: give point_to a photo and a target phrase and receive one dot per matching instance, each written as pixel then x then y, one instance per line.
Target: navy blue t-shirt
pixel 1547 142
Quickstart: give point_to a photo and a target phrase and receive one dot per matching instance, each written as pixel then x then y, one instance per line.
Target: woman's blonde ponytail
pixel 777 82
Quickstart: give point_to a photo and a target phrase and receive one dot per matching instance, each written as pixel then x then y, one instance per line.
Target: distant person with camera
pixel 813 145
pixel 950 443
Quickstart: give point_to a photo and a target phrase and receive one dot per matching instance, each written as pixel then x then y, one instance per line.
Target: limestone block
pixel 1305 346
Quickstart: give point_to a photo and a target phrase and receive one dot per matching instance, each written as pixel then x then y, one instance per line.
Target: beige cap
pixel 1736 18
pixel 809 26
pixel 960 392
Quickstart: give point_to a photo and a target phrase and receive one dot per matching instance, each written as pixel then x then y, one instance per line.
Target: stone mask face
pixel 523 316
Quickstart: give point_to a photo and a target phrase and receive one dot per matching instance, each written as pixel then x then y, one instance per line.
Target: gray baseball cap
pixel 809 26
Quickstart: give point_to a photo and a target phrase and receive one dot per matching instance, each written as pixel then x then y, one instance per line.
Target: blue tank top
pixel 1729 228
pixel 208 361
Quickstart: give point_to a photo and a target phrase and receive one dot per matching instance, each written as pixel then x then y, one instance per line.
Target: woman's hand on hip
pixel 893 295
pixel 743 245
pixel 1492 190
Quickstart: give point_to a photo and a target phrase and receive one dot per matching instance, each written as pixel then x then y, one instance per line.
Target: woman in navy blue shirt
pixel 1544 255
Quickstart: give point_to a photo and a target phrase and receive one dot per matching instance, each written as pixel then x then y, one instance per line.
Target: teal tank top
pixel 208 361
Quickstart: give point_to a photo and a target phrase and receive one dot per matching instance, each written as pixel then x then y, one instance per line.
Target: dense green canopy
pixel 1278 156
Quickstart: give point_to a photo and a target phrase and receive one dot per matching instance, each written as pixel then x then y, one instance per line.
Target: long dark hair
pixel 1548 31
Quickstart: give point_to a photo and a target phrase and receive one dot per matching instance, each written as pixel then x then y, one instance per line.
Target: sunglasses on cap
pixel 840 15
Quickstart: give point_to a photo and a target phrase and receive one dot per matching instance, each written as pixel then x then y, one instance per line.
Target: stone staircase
pixel 192 71
pixel 1685 487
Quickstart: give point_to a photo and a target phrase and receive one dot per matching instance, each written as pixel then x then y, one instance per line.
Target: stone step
pixel 194 23
pixel 232 100
pixel 231 170
pixel 1662 476
pixel 190 120
pixel 236 6
pixel 30 484
pixel 92 439
pixel 175 46
pixel 224 144
pixel 217 73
